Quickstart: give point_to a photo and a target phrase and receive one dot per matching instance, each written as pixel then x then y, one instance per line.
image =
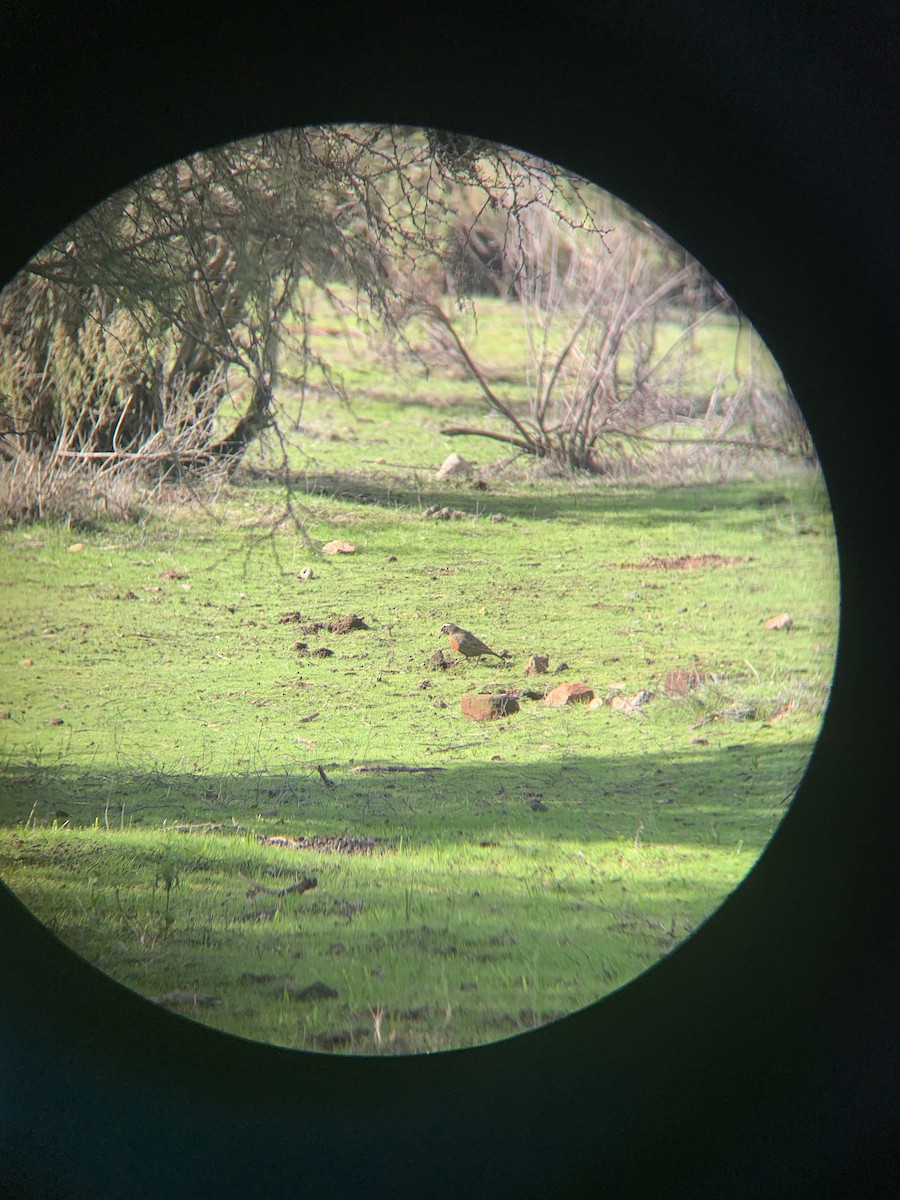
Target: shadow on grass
pixel 694 503
pixel 721 794
pixel 460 905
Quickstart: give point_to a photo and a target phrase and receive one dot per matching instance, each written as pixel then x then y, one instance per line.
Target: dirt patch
pixel 345 624
pixel 341 625
pixel 683 562
pixel 313 991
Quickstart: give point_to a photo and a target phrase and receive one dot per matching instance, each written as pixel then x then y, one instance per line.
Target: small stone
pixel 484 707
pixel 568 693
pixel 537 665
pixel 339 547
pixel 305 575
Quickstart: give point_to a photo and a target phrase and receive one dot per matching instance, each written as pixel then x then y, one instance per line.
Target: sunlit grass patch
pixel 167 722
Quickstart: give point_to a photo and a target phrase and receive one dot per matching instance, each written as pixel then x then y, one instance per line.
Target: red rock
pixel 569 693
pixel 484 707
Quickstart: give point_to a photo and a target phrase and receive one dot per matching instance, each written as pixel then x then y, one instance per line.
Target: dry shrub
pixel 47 487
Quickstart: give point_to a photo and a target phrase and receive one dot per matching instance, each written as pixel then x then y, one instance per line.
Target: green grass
pixel 544 860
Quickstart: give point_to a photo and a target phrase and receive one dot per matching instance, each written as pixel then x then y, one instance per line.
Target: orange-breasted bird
pixel 466 643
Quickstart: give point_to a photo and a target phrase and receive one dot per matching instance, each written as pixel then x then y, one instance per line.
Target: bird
pixel 466 643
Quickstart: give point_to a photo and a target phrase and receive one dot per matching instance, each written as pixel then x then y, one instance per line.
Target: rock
pixel 484 707
pixel 305 575
pixel 568 693
pixel 597 702
pixel 537 665
pixel 782 621
pixel 454 466
pixel 497 517
pixel 339 547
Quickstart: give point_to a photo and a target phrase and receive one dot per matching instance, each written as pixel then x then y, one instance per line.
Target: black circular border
pixel 761 1058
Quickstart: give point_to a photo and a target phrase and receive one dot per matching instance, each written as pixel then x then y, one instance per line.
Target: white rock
pixel 454 466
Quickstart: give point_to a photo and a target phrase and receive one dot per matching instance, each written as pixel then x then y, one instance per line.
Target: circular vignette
pixel 653 269
pixel 601 1117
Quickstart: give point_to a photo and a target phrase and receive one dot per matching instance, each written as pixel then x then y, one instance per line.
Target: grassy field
pixel 182 755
